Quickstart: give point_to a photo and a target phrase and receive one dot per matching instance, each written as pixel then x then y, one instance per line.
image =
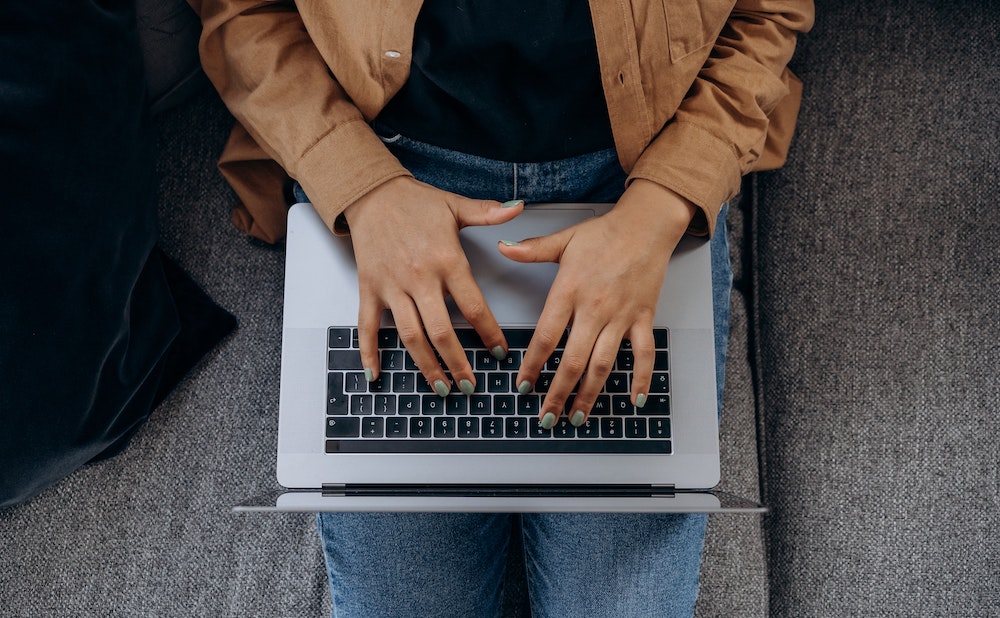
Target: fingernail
pixel 466 387
pixel 640 400
pixel 524 387
pixel 548 420
pixel 441 388
pixel 369 374
pixel 577 419
pixel 511 203
pixel 499 353
pixel 509 243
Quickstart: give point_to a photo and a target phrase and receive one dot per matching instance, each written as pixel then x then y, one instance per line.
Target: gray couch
pixel 862 403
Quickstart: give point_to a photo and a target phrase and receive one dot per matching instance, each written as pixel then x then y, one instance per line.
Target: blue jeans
pixel 442 564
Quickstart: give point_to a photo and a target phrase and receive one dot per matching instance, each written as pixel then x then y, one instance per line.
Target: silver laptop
pixel 395 445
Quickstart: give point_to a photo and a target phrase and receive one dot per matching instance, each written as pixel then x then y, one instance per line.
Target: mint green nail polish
pixel 548 420
pixel 499 353
pixel 509 243
pixel 441 388
pixel 511 203
pixel 466 387
pixel 640 400
pixel 369 374
pixel 524 387
pixel 577 419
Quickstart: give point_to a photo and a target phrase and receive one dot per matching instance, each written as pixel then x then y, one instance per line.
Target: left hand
pixel 611 269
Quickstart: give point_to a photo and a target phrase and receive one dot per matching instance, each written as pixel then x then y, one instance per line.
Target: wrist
pixel 664 211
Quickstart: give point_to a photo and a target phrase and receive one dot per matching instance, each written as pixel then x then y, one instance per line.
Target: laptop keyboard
pixel 400 412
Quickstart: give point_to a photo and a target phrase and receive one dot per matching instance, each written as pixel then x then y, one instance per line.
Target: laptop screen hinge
pixel 509 490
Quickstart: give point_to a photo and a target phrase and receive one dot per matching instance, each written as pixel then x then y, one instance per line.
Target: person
pixel 404 123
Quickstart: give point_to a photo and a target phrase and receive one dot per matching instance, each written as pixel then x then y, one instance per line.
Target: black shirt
pixel 514 80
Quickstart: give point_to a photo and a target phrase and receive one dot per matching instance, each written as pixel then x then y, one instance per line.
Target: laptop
pixel 395 445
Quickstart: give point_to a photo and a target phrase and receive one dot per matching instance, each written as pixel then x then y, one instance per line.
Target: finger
pixel 411 333
pixel 369 319
pixel 602 361
pixel 441 333
pixel 644 353
pixel 483 212
pixel 470 301
pixel 548 334
pixel 575 357
pixel 541 249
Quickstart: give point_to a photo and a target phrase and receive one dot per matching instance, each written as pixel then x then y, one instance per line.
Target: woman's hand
pixel 611 270
pixel 405 236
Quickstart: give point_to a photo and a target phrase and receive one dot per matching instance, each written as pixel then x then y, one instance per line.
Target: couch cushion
pixel 878 301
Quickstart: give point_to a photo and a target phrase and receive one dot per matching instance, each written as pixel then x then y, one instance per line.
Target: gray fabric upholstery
pixel 879 318
pixel 865 330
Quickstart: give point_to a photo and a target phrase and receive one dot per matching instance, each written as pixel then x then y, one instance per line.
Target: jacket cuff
pixel 697 165
pixel 343 166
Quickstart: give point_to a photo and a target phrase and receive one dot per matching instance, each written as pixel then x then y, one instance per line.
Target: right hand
pixel 405 236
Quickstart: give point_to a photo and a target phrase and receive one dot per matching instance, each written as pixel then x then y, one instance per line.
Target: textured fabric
pixel 536 95
pixel 85 313
pixel 879 297
pixel 694 124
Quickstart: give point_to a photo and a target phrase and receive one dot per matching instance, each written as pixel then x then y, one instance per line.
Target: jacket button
pixel 392 54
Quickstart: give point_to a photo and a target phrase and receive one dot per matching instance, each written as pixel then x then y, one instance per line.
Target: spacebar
pixel 499 446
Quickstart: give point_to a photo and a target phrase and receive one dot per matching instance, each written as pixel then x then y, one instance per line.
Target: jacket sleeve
pixel 272 78
pixel 720 130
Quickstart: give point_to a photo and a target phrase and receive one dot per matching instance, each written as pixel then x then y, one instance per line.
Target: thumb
pixel 484 212
pixel 541 249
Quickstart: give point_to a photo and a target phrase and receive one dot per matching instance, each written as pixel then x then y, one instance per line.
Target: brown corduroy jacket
pixel 697 91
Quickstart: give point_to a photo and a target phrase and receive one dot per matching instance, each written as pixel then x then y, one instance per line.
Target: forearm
pixel 275 82
pixel 718 133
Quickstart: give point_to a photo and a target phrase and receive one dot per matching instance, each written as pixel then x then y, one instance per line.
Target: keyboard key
pixel 563 429
pixel 444 427
pixel 499 446
pixel 336 405
pixel 529 405
pixel 355 382
pixel 485 361
pixel 625 361
pixel 420 427
pixel 392 360
pixel 468 427
pixel 622 406
pixel 423 386
pixel 511 363
pixel 617 383
pixel 656 405
pixel 602 406
pixel 469 338
pixel 404 382
pixel 660 338
pixel 344 359
pixel 611 427
pixel 387 338
pixel 543 382
pixel 361 404
pixel 589 429
pixel 480 405
pixel 385 405
pixel 432 405
pixel 340 338
pixel 504 404
pixel 395 427
pixel 480 381
pixel 457 405
pixel 382 384
pixel 343 427
pixel 372 427
pixel 492 427
pixel 535 429
pixel 660 383
pixel 635 427
pixel 661 361
pixel 516 427
pixel 498 382
pixel 409 405
pixel 518 338
pixel 659 428
pixel 553 362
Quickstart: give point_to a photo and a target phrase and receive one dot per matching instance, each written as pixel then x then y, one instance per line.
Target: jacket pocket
pixel 694 24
